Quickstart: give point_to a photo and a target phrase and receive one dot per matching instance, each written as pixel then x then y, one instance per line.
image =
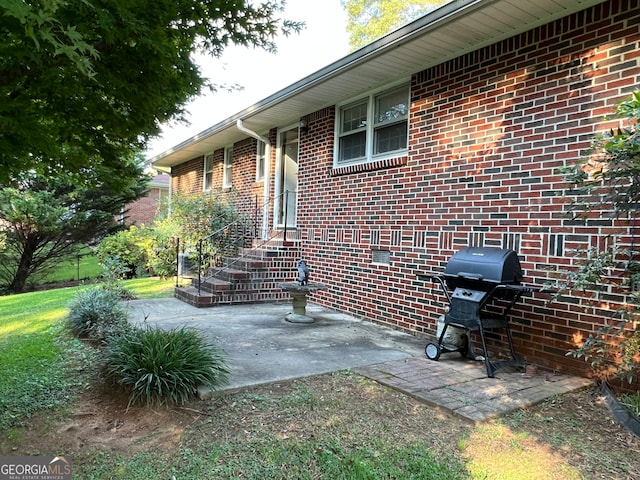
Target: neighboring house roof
pixel 161 180
pixel 456 28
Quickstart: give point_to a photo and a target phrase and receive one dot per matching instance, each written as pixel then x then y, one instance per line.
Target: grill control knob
pixel 467 293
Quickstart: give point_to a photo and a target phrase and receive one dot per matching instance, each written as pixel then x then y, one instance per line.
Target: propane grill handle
pixel 428 278
pixel 470 276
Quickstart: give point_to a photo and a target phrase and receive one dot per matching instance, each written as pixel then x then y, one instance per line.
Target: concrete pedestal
pixel 299 300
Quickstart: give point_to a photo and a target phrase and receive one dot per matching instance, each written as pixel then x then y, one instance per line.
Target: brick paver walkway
pixel 462 387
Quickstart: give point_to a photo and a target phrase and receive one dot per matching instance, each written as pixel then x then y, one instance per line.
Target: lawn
pixel 84 267
pixel 42 365
pixel 335 426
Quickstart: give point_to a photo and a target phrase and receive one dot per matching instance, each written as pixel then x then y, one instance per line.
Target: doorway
pixel 287 179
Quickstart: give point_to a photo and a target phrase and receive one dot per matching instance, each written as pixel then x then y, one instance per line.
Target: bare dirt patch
pixel 571 436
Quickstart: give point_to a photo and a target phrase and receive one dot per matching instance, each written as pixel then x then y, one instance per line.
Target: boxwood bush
pixel 97 313
pixel 164 366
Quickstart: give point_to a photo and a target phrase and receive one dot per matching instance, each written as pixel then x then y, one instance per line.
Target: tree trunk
pixel 24 268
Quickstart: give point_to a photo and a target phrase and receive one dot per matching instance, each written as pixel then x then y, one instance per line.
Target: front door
pixel 287 178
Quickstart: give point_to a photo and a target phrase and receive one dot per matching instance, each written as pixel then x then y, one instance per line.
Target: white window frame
pixel 227 168
pixel 261 160
pixel 370 127
pixel 207 177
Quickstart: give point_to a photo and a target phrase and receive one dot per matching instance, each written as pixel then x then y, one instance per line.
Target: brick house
pixel 445 133
pixel 144 210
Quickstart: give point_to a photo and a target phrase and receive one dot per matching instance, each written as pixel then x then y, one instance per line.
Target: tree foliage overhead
pixel 96 78
pixel 45 218
pixel 371 19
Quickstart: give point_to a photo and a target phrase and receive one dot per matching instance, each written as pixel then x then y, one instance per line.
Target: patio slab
pixel 262 347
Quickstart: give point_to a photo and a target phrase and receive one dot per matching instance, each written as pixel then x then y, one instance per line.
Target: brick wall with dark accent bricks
pixel 488 132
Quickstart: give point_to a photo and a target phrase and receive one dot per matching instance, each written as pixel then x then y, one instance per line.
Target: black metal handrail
pixel 243 229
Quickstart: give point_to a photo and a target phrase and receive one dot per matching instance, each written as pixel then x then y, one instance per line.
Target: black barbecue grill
pixel 481 285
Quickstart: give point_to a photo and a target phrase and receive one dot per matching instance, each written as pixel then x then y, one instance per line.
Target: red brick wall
pixel 188 178
pixel 144 210
pixel 244 176
pixel 487 133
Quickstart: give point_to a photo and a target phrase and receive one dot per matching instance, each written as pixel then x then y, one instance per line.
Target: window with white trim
pixel 208 172
pixel 260 160
pixel 374 127
pixel 227 168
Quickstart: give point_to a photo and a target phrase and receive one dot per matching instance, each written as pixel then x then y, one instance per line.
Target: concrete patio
pixel 262 347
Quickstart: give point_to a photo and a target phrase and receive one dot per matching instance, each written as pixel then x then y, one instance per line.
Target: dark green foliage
pixel 89 82
pixel 164 366
pixel 195 216
pixel 46 219
pixel 210 222
pixel 139 251
pixel 122 254
pixel 608 177
pixel 97 313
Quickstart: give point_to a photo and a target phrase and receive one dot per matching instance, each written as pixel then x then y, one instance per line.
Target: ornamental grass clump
pixel 164 366
pixel 97 313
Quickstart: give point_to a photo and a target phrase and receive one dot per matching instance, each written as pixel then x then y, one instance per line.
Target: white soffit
pixel 456 28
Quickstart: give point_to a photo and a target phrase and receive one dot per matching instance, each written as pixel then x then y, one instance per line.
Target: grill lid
pixel 495 265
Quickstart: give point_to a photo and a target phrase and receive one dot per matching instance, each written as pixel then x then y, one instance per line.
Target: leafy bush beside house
pixel 212 218
pixel 607 183
pixel 152 250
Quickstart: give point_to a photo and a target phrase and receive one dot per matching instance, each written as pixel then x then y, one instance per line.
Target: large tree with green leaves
pixel 95 79
pixel 368 20
pixel 44 219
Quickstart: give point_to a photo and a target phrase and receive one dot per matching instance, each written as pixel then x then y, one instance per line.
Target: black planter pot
pixel 619 411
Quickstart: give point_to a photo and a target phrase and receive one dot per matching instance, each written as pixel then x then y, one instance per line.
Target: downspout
pixel 267 175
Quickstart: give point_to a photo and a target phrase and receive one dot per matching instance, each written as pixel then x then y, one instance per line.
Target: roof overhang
pixel 456 28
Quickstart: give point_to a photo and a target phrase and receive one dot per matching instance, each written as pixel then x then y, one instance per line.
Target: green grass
pixel 273 458
pixel 85 268
pixel 43 366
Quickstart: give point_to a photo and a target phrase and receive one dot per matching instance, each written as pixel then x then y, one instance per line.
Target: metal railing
pixel 211 251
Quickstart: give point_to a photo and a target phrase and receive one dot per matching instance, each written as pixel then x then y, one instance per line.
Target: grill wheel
pixel 432 350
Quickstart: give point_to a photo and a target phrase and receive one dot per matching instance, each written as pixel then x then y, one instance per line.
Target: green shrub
pixel 138 252
pixel 607 185
pixel 112 275
pixel 164 366
pixel 159 246
pixel 97 313
pixel 121 252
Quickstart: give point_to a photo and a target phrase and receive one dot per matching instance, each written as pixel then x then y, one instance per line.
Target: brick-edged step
pixel 190 295
pixel 246 264
pixel 212 285
pixel 230 274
